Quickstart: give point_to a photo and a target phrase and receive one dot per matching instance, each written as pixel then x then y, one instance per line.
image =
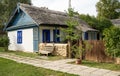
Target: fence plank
pixel 97 52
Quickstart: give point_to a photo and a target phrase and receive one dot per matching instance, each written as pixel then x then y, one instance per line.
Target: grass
pixel 32 55
pixel 12 68
pixel 53 58
pixel 109 66
pixel 2 49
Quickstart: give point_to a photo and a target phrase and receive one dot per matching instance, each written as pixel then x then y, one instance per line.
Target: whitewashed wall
pixel 27 40
pixel 51 32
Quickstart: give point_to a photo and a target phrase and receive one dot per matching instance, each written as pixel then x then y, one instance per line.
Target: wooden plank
pixel 47 50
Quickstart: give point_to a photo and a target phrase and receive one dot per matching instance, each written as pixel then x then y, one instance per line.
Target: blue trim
pixel 35 39
pixel 38 35
pixel 19 37
pixel 16 19
pixel 46 36
pixel 14 12
pixel 35 45
pixel 8 25
pixel 21 27
pixel 38 38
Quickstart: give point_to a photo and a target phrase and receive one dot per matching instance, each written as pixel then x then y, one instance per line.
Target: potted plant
pixel 78 50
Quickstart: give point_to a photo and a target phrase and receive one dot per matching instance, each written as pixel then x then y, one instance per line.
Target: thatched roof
pixel 44 16
pixel 49 17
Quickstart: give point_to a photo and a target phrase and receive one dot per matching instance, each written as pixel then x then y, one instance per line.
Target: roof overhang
pixel 86 29
pixel 53 25
pixel 20 27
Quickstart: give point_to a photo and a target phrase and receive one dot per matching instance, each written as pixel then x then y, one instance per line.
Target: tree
pixel 1 16
pixel 96 23
pixel 71 33
pixel 112 41
pixel 106 9
pixel 6 8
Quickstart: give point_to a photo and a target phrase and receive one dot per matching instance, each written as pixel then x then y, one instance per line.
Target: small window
pixel 19 37
pixel 86 36
pixel 56 34
pixel 46 36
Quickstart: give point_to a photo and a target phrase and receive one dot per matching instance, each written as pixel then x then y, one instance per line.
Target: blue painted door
pixel 46 36
pixel 35 39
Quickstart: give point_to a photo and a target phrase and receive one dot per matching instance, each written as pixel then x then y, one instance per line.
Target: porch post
pixel 38 37
pixel 55 34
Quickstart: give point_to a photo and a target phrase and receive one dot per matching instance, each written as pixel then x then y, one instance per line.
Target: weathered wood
pixel 47 50
pixel 117 60
pixel 59 48
pixel 97 52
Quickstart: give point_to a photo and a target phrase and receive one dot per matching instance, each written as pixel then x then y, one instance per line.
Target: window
pixel 19 37
pixel 93 36
pixel 46 36
pixel 56 34
pixel 86 36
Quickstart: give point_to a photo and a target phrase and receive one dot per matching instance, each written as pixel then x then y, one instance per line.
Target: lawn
pixel 12 68
pixel 2 49
pixel 109 66
pixel 32 55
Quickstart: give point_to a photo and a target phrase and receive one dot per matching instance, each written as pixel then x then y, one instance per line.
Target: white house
pixel 29 25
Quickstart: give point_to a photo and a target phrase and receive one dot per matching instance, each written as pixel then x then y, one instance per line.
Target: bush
pixel 112 41
pixel 97 23
pixel 4 41
pixel 2 49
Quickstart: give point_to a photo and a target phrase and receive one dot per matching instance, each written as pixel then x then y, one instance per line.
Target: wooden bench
pixel 47 50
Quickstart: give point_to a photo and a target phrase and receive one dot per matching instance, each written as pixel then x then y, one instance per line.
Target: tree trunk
pixel 82 56
pixel 69 48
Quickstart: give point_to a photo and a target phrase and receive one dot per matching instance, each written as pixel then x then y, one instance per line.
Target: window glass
pixel 19 37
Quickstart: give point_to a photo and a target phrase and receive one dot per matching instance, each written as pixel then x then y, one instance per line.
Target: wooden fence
pixel 97 52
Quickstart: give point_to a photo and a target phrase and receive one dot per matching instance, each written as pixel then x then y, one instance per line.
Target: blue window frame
pixel 46 36
pixel 19 37
pixel 56 34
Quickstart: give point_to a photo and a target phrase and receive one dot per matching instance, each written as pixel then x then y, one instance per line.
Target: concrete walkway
pixel 61 65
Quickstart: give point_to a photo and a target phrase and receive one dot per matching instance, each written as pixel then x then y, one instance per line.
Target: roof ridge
pixel 44 9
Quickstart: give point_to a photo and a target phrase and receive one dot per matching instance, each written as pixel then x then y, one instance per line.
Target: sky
pixel 82 6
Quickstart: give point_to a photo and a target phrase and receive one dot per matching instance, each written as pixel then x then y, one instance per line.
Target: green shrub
pixel 2 49
pixel 4 41
pixel 112 41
